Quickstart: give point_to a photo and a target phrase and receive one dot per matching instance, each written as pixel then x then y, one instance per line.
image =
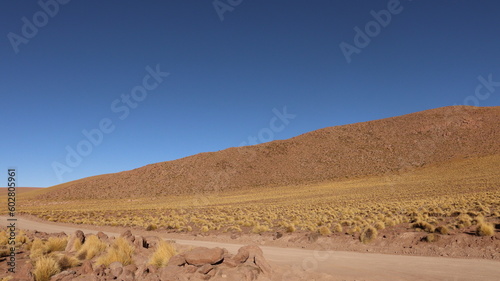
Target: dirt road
pixel 342 265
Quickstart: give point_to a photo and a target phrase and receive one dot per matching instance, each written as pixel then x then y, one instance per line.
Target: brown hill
pixel 371 148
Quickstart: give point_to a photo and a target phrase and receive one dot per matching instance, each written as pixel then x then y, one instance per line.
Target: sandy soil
pixel 344 265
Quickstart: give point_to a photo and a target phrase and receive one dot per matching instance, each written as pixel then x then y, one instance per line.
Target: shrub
pixel 424 226
pixel 65 262
pixel 260 229
pixel 37 249
pixel 368 234
pixel 485 229
pixel 290 228
pixel 163 253
pixel 379 225
pixel 45 267
pixel 91 248
pixel 56 244
pixel 430 238
pixel 337 228
pixel 204 228
pixel 120 251
pixel 324 231
pixel 442 230
pixel 151 227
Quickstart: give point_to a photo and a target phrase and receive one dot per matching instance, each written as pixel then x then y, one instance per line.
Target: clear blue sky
pixel 226 76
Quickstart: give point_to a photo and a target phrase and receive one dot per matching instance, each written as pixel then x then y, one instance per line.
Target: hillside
pixel 380 147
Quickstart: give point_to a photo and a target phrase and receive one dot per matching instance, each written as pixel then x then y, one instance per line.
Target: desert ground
pixel 415 197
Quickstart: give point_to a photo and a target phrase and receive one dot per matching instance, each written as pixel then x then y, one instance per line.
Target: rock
pixel 116 271
pixel 128 236
pixel 190 268
pixel 127 275
pixel 102 236
pixel 139 242
pixel 151 241
pixel 100 270
pixel 64 275
pixel 115 264
pixel 78 235
pixel 205 268
pixel 278 235
pixel 132 267
pixel 86 267
pixel 201 255
pixel 253 254
pixel 177 260
pixel 170 271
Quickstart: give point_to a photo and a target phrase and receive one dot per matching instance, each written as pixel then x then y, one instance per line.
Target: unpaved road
pixel 342 265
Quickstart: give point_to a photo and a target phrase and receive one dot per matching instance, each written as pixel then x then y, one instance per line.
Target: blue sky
pixel 225 76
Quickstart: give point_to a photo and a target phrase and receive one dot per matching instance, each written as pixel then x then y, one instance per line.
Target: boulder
pixel 201 255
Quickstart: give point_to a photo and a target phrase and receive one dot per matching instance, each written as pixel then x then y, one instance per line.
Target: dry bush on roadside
pixel 337 227
pixel 163 253
pixel 379 225
pixel 290 228
pixel 368 234
pixel 65 261
pixel 120 251
pixel 442 230
pixel 423 226
pixel 56 244
pixel 258 229
pixel 44 268
pixel 37 249
pixel 324 231
pixel 92 247
pixel 430 238
pixel 485 229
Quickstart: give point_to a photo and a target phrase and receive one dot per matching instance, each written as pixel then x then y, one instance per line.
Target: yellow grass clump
pixel 368 234
pixel 324 231
pixel 163 253
pixel 92 247
pixel 44 268
pixel 485 229
pixel 56 244
pixel 120 251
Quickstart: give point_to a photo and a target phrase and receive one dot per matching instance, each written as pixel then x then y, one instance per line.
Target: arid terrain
pixel 425 184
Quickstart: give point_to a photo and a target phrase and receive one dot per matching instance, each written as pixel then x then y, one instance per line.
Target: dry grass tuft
pixel 56 244
pixel 163 253
pixel 92 247
pixel 120 251
pixel 442 230
pixel 324 231
pixel 368 234
pixel 45 267
pixel 485 229
pixel 424 226
pixel 65 261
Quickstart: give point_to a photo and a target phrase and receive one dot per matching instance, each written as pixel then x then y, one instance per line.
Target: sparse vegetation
pixel 91 248
pixel 163 253
pixel 44 268
pixel 120 251
pixel 368 235
pixel 485 229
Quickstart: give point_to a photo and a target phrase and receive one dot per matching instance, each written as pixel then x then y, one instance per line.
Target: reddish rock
pixel 201 255
pixel 177 260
